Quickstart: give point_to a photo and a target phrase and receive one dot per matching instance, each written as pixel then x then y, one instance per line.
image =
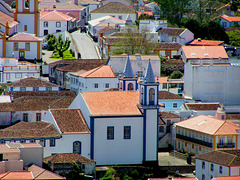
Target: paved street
pixel 86 46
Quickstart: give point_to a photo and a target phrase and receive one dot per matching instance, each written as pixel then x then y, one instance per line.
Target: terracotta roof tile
pixel 22 129
pixel 114 7
pixel 206 42
pixel 104 71
pixel 70 120
pixel 165 95
pixel 54 16
pixel 225 157
pixel 31 82
pixel 21 36
pixel 232 116
pixel 40 173
pixel 230 18
pixel 60 6
pixel 112 103
pixel 4 148
pixel 17 175
pixel 203 106
pixel 112 89
pixel 67 158
pixel 106 29
pixel 227 178
pixel 5 18
pixel 166 45
pixel 165 115
pixel 171 31
pixel 205 52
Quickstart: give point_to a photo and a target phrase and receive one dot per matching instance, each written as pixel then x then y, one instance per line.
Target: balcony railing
pixel 225 145
pixel 197 141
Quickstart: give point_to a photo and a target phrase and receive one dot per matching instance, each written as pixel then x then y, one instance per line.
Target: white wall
pixel 5 118
pixel 26 20
pixel 18 115
pixel 116 15
pixel 52 28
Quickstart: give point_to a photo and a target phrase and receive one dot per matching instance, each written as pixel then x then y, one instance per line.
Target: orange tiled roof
pixel 31 82
pixel 17 175
pixel 230 18
pixel 4 18
pixel 209 125
pixel 104 71
pixel 21 36
pixel 206 42
pixel 112 103
pixel 165 95
pixel 205 52
pixel 227 178
pixel 203 106
pixel 54 16
pixel 70 120
pixel 4 148
pixel 165 115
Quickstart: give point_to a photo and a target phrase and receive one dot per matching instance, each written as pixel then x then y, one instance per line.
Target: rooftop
pixel 54 16
pixel 31 82
pixel 165 115
pixel 172 31
pixel 206 42
pixel 203 106
pixel 114 7
pixel 4 18
pixel 22 36
pixel 165 95
pixel 230 18
pixel 168 45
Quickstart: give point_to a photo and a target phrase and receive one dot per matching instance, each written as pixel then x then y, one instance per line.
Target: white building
pixel 217 164
pixel 11 70
pixel 152 25
pixel 97 79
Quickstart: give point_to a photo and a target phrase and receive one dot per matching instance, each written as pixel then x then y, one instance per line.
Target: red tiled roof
pixel 203 106
pixel 233 116
pixel 23 129
pixel 70 120
pixel 67 158
pixel 21 36
pixel 205 52
pixel 54 16
pixel 172 31
pixel 165 115
pixel 106 29
pixel 206 42
pixel 227 178
pixel 114 7
pixel 104 71
pixel 6 18
pixel 31 82
pixel 230 18
pixel 165 95
pixel 17 175
pixel 112 103
pixel 170 45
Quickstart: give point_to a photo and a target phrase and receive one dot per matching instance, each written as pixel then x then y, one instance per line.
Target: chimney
pixel 221 114
pixel 199 39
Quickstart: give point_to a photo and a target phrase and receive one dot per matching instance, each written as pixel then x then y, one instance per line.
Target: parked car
pixel 45 46
pixel 83 29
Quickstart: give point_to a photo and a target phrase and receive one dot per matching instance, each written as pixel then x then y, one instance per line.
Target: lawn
pixel 66 55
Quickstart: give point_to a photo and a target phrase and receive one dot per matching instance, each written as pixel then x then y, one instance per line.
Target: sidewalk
pixel 165 159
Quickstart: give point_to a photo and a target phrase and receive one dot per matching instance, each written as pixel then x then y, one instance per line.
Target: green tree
pixel 176 75
pixel 110 174
pixel 75 174
pixel 61 46
pixel 52 40
pixel 234 38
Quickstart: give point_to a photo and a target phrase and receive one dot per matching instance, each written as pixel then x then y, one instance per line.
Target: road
pixel 86 46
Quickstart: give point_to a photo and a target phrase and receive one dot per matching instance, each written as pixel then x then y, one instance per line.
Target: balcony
pixel 225 145
pixel 197 141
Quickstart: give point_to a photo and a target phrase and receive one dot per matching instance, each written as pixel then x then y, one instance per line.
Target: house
pixel 174 86
pixel 228 21
pixel 152 25
pixel 15 156
pixel 31 106
pixel 124 2
pixel 32 84
pixel 11 70
pixel 201 42
pixel 59 71
pixel 129 120
pixel 216 164
pixel 179 35
pixel 55 21
pixel 114 9
pixel 59 163
pixel 154 7
pixel 170 101
pixel 97 79
pixel 66 7
pixel 167 49
pixel 19 31
pixel 209 76
pixel 138 62
pixel 203 134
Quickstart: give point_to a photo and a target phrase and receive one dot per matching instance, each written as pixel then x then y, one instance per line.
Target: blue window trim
pixel 53 142
pixel 149 94
pixel 48 88
pixel 43 141
pixel 129 132
pixel 80 146
pixel 112 133
pixel 36 88
pixel 22 88
pixel 92 137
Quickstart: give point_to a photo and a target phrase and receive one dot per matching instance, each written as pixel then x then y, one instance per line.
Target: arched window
pixel 121 86
pixel 151 96
pixel 130 87
pixel 141 96
pixel 45 24
pixel 77 147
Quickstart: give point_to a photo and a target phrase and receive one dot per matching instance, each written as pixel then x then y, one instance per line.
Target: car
pixel 45 46
pixel 83 29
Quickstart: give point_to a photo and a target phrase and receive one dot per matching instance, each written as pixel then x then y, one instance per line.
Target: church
pixel 19 30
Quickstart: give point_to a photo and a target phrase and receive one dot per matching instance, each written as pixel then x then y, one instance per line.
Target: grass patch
pixel 66 55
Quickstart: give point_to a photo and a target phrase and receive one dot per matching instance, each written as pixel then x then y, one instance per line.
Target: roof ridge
pixel 60 14
pixel 94 70
pixel 220 126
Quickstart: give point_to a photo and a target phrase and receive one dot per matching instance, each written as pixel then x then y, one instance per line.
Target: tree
pixel 234 38
pixel 176 75
pixel 173 10
pixel 110 174
pixel 52 40
pixel 61 46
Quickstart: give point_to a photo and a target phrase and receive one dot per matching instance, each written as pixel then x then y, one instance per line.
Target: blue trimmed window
pixel 110 132
pixel 42 142
pixel 48 88
pixel 77 147
pixel 127 132
pixel 22 88
pixel 151 96
pixel 2 141
pixel 52 142
pixel 32 140
pixel 130 87
pixel 35 89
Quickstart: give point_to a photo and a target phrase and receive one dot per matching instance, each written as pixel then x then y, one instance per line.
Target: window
pixel 174 105
pixel 25 28
pixel 45 32
pixel 2 142
pixel 27 46
pixel 25 117
pixel 119 17
pixel 140 73
pixel 58 24
pixel 32 140
pixel 52 142
pixel 222 117
pixel 161 129
pixel 18 75
pixel 127 132
pixel 164 85
pixel 212 167
pixel 203 177
pixel 168 53
pixel 107 85
pixel 168 122
pixel 15 46
pixel 220 169
pixel 203 165
pixel 38 117
pixel 45 24
pixel 163 105
pixel 192 146
pixel 130 87
pixel 22 141
pixel 224 24
pixel 110 132
pixel 42 142
pixel 220 141
pixel 35 88
pixel 96 85
pixel 77 147
pixel 151 96
pixel 48 89
pixel 174 39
